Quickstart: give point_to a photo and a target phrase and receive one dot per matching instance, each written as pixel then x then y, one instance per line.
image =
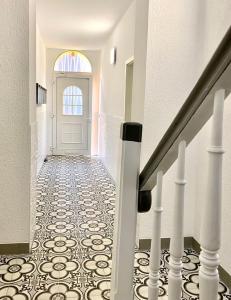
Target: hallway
pixel 71 257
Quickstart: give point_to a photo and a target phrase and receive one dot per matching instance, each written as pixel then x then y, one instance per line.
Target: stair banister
pixel 135 194
pixel 193 115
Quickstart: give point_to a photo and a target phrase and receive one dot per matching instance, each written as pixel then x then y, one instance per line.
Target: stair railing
pixel 205 100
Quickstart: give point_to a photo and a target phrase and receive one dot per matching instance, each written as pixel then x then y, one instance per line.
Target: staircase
pixel 206 100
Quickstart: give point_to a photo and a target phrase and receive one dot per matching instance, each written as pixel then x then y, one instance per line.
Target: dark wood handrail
pixel 194 113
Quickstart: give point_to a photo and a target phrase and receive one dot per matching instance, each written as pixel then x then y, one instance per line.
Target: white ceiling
pixel 78 24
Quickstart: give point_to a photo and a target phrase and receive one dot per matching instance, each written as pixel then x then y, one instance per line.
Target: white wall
pixel 94 57
pixel 32 107
pixel 181 40
pixel 112 104
pixel 41 113
pixel 130 39
pixel 171 42
pixel 17 119
pixel 140 55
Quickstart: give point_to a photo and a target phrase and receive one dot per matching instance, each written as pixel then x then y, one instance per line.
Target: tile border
pixel 189 242
pixel 14 249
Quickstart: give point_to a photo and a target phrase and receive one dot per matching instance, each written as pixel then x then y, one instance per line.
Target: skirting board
pixel 14 249
pixel 189 242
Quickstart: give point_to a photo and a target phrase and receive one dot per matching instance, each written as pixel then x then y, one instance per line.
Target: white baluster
pixel 153 287
pixel 177 239
pixel 211 218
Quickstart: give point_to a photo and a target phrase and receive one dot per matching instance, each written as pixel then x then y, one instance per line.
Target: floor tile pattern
pixel 71 257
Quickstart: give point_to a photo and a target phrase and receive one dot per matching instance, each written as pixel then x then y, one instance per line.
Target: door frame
pixel 128 62
pixel 74 75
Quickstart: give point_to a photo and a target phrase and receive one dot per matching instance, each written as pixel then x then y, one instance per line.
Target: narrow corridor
pixel 71 257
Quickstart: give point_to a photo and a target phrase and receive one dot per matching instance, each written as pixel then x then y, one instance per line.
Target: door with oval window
pixel 73 116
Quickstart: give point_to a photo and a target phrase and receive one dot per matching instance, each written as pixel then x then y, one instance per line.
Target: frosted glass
pixel 72 61
pixel 73 101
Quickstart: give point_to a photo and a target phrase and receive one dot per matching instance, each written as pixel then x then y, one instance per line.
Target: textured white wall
pixel 113 91
pixel 41 112
pixel 140 54
pixel 94 57
pixel 130 38
pixel 33 124
pixel 181 40
pixel 17 88
pixel 171 42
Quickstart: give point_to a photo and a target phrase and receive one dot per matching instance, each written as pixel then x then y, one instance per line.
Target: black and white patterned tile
pixel 72 250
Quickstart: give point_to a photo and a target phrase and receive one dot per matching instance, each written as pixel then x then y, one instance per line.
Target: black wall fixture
pixel 41 94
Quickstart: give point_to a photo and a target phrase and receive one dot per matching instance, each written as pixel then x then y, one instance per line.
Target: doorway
pixel 73 115
pixel 129 89
pixel 72 104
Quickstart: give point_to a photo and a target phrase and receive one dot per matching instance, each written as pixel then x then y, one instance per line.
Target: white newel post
pixel 177 239
pixel 153 286
pixel 126 215
pixel 211 217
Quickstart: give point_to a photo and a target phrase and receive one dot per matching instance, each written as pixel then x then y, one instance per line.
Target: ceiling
pixel 78 24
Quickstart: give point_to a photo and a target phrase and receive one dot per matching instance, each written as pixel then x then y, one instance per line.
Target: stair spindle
pixel 177 239
pixel 211 218
pixel 153 287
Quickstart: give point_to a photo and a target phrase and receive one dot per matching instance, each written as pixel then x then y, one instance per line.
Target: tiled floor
pixel 71 256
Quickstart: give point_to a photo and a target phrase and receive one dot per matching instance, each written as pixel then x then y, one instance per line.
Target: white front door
pixel 73 116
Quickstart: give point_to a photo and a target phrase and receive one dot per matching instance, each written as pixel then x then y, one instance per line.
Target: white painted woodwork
pixel 125 223
pixel 41 110
pixel 177 238
pixel 153 286
pixel 73 136
pixel 211 218
pixel 129 89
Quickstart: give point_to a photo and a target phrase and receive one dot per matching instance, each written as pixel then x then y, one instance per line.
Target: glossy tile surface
pixel 71 257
